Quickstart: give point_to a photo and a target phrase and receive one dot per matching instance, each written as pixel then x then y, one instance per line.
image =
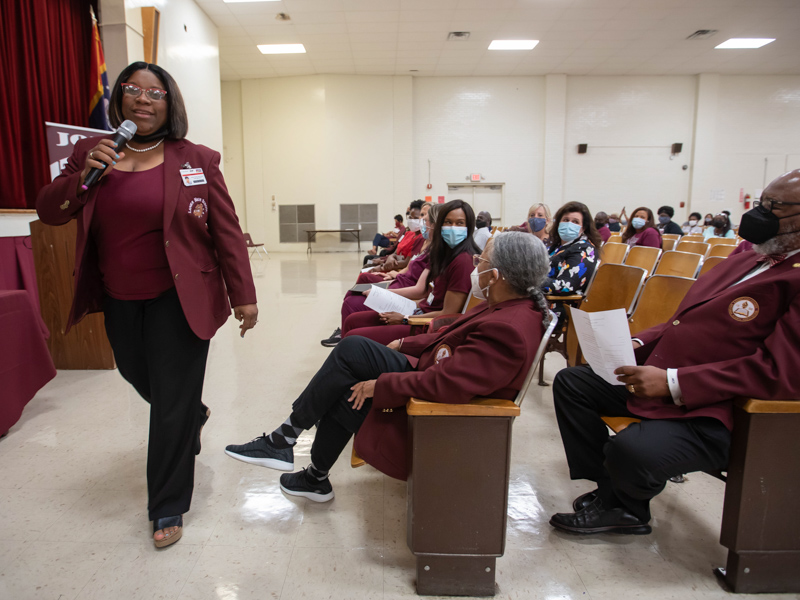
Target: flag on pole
pixel 98 105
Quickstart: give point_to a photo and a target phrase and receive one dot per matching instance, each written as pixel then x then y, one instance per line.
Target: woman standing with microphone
pixel 160 251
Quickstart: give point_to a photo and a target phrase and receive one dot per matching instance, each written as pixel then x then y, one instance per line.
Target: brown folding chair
pixel 678 264
pixel 668 244
pixel 614 252
pixel 717 241
pixel 709 264
pixel 693 237
pixel 614 238
pixel 670 236
pixel 614 286
pixel 695 247
pixel 659 300
pixel 257 248
pixel 723 250
pixel 644 257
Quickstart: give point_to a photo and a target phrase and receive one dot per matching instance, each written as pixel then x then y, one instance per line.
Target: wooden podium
pixel 86 345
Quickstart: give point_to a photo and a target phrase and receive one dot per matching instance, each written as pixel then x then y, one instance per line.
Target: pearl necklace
pixel 153 147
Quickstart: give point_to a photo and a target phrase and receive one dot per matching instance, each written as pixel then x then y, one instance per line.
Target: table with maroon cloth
pixel 25 363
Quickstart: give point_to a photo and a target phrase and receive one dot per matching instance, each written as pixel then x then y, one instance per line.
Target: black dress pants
pixel 159 354
pixel 324 401
pixel 635 464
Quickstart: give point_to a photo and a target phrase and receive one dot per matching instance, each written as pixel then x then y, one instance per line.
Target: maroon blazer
pixel 487 352
pixel 207 255
pixel 723 347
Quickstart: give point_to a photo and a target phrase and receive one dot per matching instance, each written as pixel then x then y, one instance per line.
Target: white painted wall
pixel 233 147
pixel 325 140
pixel 488 125
pixel 188 48
pixel 334 139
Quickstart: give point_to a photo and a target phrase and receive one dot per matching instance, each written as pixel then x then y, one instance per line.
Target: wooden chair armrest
pixel 753 405
pixel 617 424
pixel 560 298
pixel 419 320
pixel 477 407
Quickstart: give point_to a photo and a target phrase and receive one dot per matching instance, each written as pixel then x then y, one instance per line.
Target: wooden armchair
pixel 658 302
pixel 710 263
pixel 644 257
pixel 723 250
pixel 695 247
pixel 679 264
pixel 614 252
pixel 456 536
pixel 759 527
pixel 614 286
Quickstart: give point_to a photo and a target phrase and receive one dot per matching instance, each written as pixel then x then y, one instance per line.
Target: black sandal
pixel 166 523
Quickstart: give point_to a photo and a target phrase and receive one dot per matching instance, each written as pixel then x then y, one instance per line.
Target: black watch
pixel 405 320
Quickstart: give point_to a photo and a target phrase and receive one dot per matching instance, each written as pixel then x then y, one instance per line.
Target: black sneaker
pixel 334 339
pixel 261 452
pixel 306 485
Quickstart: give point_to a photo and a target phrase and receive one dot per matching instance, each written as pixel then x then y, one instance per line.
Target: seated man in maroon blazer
pixel 363 386
pixel 737 333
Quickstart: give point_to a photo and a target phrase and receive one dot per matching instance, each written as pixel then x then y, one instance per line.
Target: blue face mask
pixel 638 223
pixel 536 224
pixel 453 236
pixel 568 231
pixel 423 229
pixel 663 219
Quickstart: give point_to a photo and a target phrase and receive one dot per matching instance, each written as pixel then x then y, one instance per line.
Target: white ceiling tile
pixel 421 36
pixel 318 17
pixel 270 35
pixel 293 6
pixel 373 38
pixel 387 27
pixel 365 5
pixel 442 27
pixel 369 16
pixel 325 38
pixel 427 16
pixel 428 5
pixel 430 46
pixel 314 28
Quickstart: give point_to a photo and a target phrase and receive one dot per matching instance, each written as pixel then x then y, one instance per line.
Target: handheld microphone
pixel 125 132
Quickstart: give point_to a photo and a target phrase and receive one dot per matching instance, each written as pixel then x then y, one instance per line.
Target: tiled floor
pixel 73 522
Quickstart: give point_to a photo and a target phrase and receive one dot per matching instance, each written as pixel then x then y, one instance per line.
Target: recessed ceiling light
pixel 745 43
pixel 513 44
pixel 282 48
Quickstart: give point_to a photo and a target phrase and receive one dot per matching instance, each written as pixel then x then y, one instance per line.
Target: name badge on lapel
pixel 192 177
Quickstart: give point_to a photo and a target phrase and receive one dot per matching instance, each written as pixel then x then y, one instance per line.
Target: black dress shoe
pixel 595 519
pixel 583 501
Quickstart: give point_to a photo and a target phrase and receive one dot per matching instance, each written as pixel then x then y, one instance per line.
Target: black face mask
pixel 759 225
pixel 481 224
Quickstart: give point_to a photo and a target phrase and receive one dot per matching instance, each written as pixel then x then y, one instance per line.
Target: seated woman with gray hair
pixel 363 386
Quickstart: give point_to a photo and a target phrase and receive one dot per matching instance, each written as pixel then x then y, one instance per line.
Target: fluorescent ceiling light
pixel 745 43
pixel 228 1
pixel 282 48
pixel 513 44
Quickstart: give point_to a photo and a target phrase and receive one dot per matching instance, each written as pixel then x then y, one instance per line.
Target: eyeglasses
pixel 130 89
pixel 769 203
pixel 476 260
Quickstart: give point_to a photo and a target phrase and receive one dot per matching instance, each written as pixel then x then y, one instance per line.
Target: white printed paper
pixel 605 340
pixel 382 301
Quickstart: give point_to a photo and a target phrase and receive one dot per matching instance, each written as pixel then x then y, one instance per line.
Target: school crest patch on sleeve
pixel 442 352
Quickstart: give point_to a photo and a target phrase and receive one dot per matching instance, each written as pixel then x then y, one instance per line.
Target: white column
pixel 555 118
pixel 704 146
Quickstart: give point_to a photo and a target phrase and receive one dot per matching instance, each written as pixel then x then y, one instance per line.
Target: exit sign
pixel 475 177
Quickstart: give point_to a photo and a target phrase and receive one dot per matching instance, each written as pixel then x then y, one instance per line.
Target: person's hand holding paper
pixel 606 343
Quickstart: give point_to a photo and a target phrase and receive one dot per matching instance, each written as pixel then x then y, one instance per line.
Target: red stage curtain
pixel 44 75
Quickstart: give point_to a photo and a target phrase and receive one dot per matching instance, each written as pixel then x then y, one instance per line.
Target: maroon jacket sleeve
pixel 63 191
pixel 487 360
pixel 770 372
pixel 228 239
pixel 414 345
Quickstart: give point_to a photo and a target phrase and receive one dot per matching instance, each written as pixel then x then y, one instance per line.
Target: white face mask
pixel 413 225
pixel 692 223
pixel 477 290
